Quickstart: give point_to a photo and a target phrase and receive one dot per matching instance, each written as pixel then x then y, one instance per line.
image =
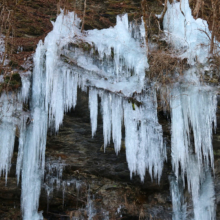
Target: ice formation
pixel 60 98
pixel 193 109
pixel 178 200
pixel 93 105
pixel 128 55
pixel 117 76
pixel 121 61
pixel 143 138
pixel 54 91
pixel 191 37
pixel 117 117
pixel 13 120
pixel 32 147
pixel 9 108
pixel 143 133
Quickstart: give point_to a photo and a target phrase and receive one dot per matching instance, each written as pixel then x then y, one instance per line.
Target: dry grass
pixel 164 65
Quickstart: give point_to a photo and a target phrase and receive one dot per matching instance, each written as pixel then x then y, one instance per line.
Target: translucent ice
pixel 188 35
pixel 178 201
pixel 127 51
pixel 93 105
pixel 193 108
pixel 119 80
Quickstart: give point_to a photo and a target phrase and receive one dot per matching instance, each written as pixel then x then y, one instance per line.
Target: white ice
pixel 193 107
pixel 93 105
pixel 127 51
pixel 191 37
pixel 54 92
pixel 122 56
pixel 193 113
pixel 12 119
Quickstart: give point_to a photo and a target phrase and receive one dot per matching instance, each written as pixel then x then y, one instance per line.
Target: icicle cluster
pixel 194 112
pixel 122 56
pixel 128 55
pixel 61 92
pixel 143 134
pixel 192 107
pixel 54 91
pixel 13 120
pixel 10 110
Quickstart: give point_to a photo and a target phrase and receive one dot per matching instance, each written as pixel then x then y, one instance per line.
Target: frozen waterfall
pixel 115 79
pixel 193 108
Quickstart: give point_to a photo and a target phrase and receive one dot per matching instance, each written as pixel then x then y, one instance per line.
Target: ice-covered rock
pixel 189 36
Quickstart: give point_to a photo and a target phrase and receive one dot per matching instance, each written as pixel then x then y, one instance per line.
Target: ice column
pixel 193 107
pixel 93 105
pixel 106 113
pixel 34 142
pixel 194 112
pixel 117 116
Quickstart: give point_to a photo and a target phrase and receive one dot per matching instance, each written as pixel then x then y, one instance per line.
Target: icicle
pixel 179 138
pixel 70 89
pixel 7 131
pixel 204 207
pixel 25 86
pixel 91 211
pixel 93 105
pixel 106 108
pixel 117 116
pixel 131 136
pixel 11 117
pixel 21 149
pixel 33 165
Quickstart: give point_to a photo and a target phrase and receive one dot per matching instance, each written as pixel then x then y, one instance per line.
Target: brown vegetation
pixel 164 65
pixel 24 23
